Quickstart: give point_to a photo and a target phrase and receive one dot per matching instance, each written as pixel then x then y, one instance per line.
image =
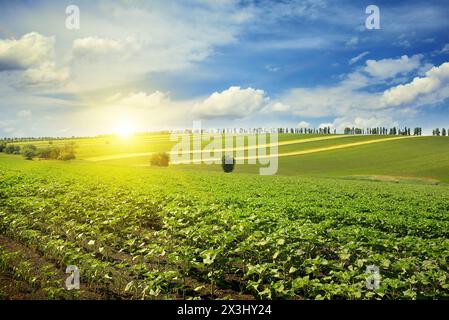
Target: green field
pixel 192 231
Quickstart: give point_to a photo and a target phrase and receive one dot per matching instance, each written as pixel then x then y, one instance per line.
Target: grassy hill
pixel 415 159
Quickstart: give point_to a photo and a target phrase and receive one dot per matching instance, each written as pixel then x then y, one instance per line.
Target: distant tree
pixel 160 159
pixel 2 146
pixel 228 163
pixel 29 151
pixel 67 153
pixel 12 149
pixel 443 132
pixel 49 153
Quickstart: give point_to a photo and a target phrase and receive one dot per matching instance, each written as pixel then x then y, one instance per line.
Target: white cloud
pixel 389 68
pixel 231 103
pixel 361 122
pixel 140 100
pixel 279 107
pixel 353 41
pixel 358 57
pixel 445 49
pixel 326 125
pixel 431 88
pixel 46 74
pixel 333 100
pixel 304 125
pixel 272 68
pixel 30 50
pixel 92 48
pixel 24 113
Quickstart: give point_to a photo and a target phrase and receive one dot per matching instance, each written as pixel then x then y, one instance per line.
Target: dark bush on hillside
pixel 67 155
pixel 160 159
pixel 2 146
pixel 49 153
pixel 228 164
pixel 58 153
pixel 67 152
pixel 29 151
pixel 12 149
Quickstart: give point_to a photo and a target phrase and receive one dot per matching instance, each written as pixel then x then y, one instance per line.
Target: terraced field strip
pixel 342 146
pixel 267 145
pixel 302 152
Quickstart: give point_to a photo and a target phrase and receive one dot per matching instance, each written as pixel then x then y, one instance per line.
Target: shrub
pixel 66 155
pixel 49 153
pixel 227 163
pixel 67 152
pixel 2 146
pixel 12 149
pixel 29 151
pixel 160 159
pixel 56 153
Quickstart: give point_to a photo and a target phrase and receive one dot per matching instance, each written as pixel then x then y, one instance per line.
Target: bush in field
pixel 160 159
pixel 58 153
pixel 12 149
pixel 2 146
pixel 67 152
pixel 228 164
pixel 49 153
pixel 29 151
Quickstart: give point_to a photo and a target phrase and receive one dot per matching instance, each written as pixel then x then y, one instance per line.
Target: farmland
pixel 139 232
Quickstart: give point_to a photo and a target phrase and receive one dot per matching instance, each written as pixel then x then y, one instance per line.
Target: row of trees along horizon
pixel 417 131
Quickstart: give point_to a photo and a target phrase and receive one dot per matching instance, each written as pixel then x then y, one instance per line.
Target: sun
pixel 125 130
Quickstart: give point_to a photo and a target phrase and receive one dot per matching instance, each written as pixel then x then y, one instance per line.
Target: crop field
pixel 310 232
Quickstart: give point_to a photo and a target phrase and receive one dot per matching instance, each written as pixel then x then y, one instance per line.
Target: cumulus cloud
pixel 304 125
pixel 45 74
pixel 92 48
pixel 330 101
pixel 340 123
pixel 389 68
pixel 234 102
pixel 278 107
pixel 140 99
pixel 431 88
pixel 30 50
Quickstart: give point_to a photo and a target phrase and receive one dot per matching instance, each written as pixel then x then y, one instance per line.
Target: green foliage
pixel 160 159
pixel 2 146
pixel 49 153
pixel 29 151
pixel 140 233
pixel 12 149
pixel 66 152
pixel 227 163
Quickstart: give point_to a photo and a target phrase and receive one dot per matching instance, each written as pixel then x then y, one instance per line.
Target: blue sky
pixel 161 65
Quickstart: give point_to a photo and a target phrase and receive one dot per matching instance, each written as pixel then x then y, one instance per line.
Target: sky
pixel 156 65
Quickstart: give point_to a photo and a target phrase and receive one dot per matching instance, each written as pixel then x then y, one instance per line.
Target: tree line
pixel 384 131
pixel 443 132
pixel 30 151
